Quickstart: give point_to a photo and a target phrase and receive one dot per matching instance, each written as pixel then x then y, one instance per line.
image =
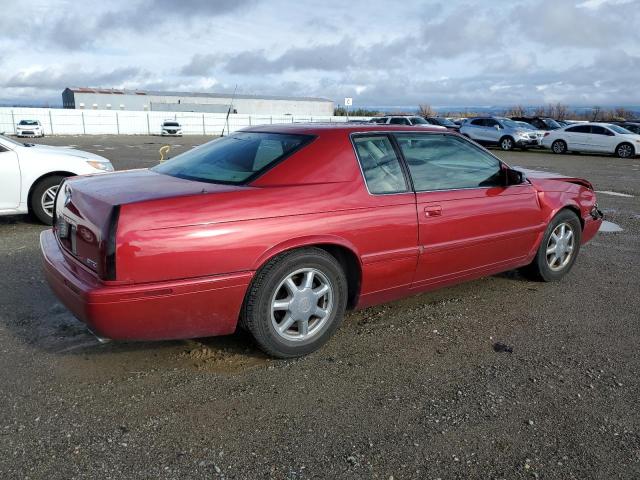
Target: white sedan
pixel 29 128
pixel 30 175
pixel 593 137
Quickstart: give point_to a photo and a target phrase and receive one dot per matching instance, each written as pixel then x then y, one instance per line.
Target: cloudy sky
pixel 382 53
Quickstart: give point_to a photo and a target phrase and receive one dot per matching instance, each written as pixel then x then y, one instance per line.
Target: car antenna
pixel 226 121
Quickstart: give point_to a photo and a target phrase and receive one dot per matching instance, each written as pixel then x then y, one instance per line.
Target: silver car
pixel 499 131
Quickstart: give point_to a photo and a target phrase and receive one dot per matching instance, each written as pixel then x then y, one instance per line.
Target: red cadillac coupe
pixel 280 229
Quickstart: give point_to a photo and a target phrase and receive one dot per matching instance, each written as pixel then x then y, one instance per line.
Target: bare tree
pixel 557 111
pixel 595 113
pixel 539 111
pixel 425 110
pixel 516 111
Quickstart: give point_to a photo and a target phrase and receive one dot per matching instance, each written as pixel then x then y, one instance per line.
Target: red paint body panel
pixel 185 251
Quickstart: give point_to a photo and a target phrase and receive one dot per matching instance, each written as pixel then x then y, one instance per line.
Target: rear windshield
pixel 236 159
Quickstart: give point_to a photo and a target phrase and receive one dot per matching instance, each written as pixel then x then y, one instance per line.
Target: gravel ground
pixel 413 389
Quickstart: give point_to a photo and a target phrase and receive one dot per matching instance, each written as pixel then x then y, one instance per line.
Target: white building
pixel 140 100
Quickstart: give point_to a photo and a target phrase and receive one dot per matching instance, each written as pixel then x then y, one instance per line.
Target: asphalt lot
pixel 412 389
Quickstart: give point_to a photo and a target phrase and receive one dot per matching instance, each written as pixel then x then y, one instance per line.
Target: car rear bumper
pixel 154 311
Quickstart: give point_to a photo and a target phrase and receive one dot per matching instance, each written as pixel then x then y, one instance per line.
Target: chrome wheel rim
pixel 560 247
pixel 506 144
pixel 301 304
pixel 624 151
pixel 48 199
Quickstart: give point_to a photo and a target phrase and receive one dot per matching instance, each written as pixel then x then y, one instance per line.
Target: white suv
pixel 29 128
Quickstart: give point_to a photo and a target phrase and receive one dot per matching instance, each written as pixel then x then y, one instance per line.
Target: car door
pixel 492 130
pixel 602 139
pixel 10 179
pixel 475 129
pixel 469 222
pixel 576 137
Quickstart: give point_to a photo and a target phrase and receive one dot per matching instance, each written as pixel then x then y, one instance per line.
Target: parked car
pixel 171 127
pixel 30 175
pixel 402 120
pixel 539 133
pixel 443 122
pixel 633 127
pixel 540 123
pixel 280 228
pixel 505 133
pixel 593 137
pixel 29 128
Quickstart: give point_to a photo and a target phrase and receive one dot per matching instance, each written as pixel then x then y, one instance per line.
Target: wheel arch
pixel 625 142
pixel 57 173
pixel 342 250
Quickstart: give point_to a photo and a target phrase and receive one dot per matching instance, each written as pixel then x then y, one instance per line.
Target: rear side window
pixel 399 121
pixel 597 130
pixel 579 129
pixel 236 159
pixel 380 164
pixel 447 162
pixel 479 122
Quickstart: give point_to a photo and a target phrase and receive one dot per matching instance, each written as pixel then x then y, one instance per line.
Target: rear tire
pixel 42 197
pixel 506 143
pixel 625 150
pixel 559 147
pixel 558 250
pixel 295 302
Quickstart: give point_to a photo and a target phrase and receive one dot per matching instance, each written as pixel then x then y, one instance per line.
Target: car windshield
pixel 551 123
pixel 171 124
pixel 235 159
pixel 418 121
pixel 618 129
pixel 445 122
pixel 525 125
pixel 28 122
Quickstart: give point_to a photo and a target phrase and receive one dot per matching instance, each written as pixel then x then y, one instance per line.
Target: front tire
pixel 296 302
pixel 625 150
pixel 41 202
pixel 558 250
pixel 559 147
pixel 506 143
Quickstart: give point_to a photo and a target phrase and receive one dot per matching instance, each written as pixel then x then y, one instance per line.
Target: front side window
pixel 380 164
pixel 478 122
pixel 447 162
pixel 235 159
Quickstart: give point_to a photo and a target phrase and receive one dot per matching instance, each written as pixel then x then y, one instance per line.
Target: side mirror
pixel 513 177
pixel 496 126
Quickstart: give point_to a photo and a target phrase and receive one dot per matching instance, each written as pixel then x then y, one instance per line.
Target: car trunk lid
pixel 87 210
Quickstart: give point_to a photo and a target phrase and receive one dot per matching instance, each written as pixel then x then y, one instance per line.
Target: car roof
pixel 318 128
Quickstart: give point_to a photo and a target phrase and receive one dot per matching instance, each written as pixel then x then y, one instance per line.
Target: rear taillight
pixel 547 134
pixel 110 247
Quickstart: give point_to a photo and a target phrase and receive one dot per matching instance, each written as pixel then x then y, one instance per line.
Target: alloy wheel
pixel 625 151
pixel 302 304
pixel 560 247
pixel 48 199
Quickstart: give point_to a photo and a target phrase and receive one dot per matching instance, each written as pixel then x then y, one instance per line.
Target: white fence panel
pixel 57 121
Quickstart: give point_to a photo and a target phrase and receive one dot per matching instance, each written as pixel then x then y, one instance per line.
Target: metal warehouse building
pixel 114 99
